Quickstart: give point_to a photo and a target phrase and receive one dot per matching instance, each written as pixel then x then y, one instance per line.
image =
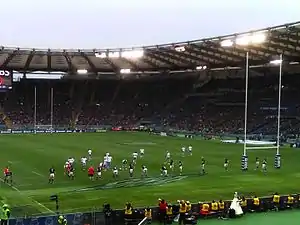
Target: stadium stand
pixel 195 85
pixel 165 86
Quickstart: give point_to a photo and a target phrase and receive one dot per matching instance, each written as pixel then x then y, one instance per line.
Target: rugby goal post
pixel 43 126
pixel 277 160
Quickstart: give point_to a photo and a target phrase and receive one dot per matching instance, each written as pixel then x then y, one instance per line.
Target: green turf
pixel 30 157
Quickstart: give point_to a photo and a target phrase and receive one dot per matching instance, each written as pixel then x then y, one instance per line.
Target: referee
pixel 5 214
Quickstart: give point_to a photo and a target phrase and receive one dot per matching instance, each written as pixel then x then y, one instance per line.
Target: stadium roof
pixel 209 53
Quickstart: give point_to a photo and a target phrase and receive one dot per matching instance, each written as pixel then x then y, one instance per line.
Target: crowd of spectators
pixel 217 106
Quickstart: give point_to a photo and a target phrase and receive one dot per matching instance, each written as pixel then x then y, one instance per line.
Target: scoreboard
pixel 6 77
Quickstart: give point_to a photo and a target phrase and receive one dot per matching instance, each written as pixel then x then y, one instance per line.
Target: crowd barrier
pixel 117 217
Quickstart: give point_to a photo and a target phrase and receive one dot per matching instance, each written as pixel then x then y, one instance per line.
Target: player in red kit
pixel 91 172
pixel 7 175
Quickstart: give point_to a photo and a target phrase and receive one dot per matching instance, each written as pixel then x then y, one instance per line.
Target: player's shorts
pixel 115 172
pixel 257 163
pixel 145 171
pixel 51 175
pixel 99 174
pixel 165 172
pixel 71 174
pixel 134 157
pixel 180 168
pixel 171 167
pixel 83 164
pixel 225 165
pixel 130 170
pixel 203 166
pixel 263 166
pixel 90 174
pixel 8 174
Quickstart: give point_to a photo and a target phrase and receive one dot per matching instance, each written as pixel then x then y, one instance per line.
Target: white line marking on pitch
pixel 39 174
pixel 30 198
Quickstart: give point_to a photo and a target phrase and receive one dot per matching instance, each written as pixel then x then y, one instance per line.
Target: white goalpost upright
pixel 35 121
pixel 244 160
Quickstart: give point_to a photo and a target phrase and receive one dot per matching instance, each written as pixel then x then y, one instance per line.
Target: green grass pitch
pixel 30 157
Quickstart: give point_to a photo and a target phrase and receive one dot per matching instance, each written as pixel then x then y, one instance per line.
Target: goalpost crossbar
pixel 261 147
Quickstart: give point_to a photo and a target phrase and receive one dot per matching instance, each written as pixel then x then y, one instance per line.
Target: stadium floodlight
pixel 226 43
pixel 125 71
pixel 82 71
pixel 101 55
pixel 243 40
pixel 180 49
pixel 132 54
pixel 276 61
pixel 201 67
pixel 258 38
pixel 114 54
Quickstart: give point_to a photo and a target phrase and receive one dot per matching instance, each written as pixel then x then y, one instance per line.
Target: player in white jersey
pixel 168 156
pixel 83 162
pixel 124 164
pixel 115 172
pixel 109 161
pixel 134 157
pixel 264 166
pixel 144 171
pixel 190 149
pixel 90 154
pixel 183 151
pixel 164 171
pixel 142 152
pixel 105 160
pixel 71 160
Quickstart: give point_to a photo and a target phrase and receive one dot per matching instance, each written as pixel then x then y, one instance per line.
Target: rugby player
pixel 168 156
pixel 7 175
pixel 164 171
pixel 66 168
pixel 91 173
pixel 144 171
pixel 83 162
pixel 256 163
pixel 190 149
pixel 226 164
pixel 171 165
pixel 51 175
pixel 115 172
pixel 99 172
pixel 180 165
pixel 264 166
pixel 142 152
pixel 131 169
pixel 90 154
pixel 124 164
pixel 183 151
pixel 134 157
pixel 71 160
pixel 203 162
pixel 71 173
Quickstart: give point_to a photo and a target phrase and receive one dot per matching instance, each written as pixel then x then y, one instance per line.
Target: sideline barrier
pixel 97 217
pixel 51 131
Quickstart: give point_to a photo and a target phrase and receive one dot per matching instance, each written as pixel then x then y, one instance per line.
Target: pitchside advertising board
pixel 5 80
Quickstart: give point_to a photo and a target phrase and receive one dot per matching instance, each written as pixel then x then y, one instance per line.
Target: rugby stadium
pixel 58 103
